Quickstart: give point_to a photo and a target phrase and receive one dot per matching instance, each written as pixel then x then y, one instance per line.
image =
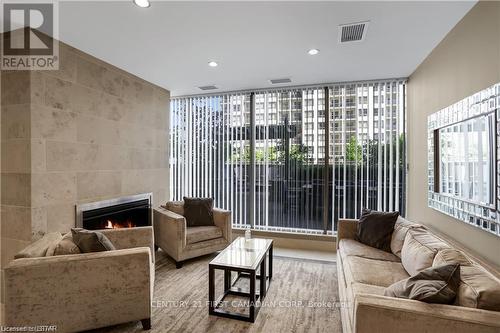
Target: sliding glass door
pixel 292 159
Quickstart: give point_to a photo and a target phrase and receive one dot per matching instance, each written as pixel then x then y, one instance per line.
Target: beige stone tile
pixel 67 156
pixel 16 222
pixel 16 121
pixel 67 64
pixel 16 156
pixel 16 189
pixel 60 218
pixel 58 93
pixel 63 156
pixel 112 82
pixel 141 114
pixel 98 77
pixel 137 181
pixel 160 139
pixel 160 197
pixel 160 178
pixel 160 158
pixel 52 188
pixel 137 91
pixel 38 222
pixel 87 101
pixel 142 158
pixel 53 124
pixel 9 248
pixel 97 130
pixel 134 135
pixel 15 88
pixel 98 184
pixel 37 88
pixel 113 108
pixel 38 156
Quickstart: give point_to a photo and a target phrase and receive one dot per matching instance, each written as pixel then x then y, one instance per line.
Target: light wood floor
pixel 296 301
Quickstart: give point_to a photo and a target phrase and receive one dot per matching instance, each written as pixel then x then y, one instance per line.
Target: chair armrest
pixel 126 238
pixel 222 219
pixel 347 228
pixel 67 290
pixel 374 313
pixel 170 231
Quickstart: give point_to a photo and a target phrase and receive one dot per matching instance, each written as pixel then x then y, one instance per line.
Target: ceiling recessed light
pixel 142 3
pixel 213 64
pixel 313 51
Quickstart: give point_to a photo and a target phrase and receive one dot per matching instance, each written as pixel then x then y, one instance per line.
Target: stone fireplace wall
pixel 86 132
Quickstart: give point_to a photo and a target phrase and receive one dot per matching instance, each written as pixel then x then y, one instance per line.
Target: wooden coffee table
pixel 243 257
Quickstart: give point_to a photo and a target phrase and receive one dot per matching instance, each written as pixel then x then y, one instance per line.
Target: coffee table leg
pixel 227 279
pixel 211 289
pixel 263 278
pixel 252 297
pixel 270 262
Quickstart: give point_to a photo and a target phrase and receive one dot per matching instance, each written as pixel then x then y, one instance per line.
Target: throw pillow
pixel 91 241
pixel 375 228
pixel 432 285
pixel 66 246
pixel 198 212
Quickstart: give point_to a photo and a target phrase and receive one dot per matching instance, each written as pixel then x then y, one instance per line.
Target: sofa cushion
pixel 199 211
pixel 175 206
pixel 91 241
pixel 450 256
pixel 39 248
pixel 419 249
pixel 478 289
pixel 438 284
pixel 375 228
pixel 375 272
pixel 66 246
pixel 350 247
pixel 200 234
pixel 401 227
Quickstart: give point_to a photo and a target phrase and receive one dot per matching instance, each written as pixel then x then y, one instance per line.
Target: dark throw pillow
pixel 375 228
pixel 91 241
pixel 199 212
pixel 432 285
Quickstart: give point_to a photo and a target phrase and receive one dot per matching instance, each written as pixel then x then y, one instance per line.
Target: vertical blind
pixel 293 159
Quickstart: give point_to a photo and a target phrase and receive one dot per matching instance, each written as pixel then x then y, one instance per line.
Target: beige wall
pixel 86 132
pixel 466 61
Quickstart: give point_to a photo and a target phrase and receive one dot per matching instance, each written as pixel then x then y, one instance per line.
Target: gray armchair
pixel 180 242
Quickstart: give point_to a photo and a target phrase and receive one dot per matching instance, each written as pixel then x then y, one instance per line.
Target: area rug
pixel 303 297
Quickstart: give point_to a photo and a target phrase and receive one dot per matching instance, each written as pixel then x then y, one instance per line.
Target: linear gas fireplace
pixel 125 212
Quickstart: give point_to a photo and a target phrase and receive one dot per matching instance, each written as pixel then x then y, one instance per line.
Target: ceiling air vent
pixel 352 32
pixel 279 81
pixel 208 87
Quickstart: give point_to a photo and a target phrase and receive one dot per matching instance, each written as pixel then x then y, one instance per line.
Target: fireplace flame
pixel 116 225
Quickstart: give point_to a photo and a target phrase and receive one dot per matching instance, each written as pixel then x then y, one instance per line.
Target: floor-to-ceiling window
pixel 293 159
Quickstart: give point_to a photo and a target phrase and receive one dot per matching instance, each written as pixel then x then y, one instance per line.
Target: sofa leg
pixel 178 264
pixel 146 324
pixel 156 247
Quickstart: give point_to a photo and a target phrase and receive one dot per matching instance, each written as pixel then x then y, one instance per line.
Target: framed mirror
pixel 463 160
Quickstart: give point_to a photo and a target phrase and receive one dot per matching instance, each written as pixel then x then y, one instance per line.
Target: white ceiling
pixel 170 43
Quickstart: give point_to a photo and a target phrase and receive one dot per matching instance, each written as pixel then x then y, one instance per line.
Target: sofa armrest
pixel 170 231
pixel 110 287
pixel 222 219
pixel 346 228
pixel 126 238
pixel 374 313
